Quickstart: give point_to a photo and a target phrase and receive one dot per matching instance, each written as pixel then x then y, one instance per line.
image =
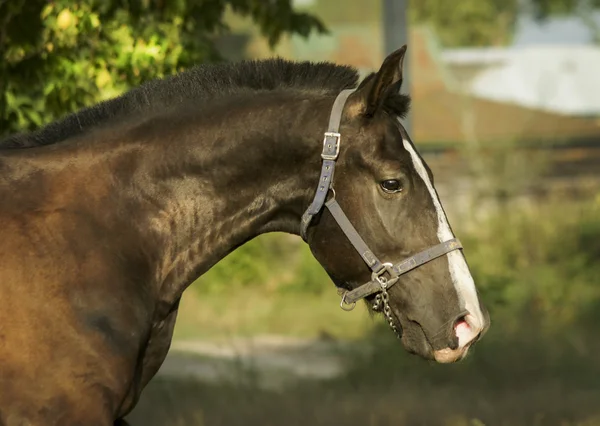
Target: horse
pixel 110 213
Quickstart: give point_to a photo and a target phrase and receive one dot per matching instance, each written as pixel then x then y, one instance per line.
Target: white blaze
pixel 459 271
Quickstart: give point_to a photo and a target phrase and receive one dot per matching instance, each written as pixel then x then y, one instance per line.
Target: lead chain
pixel 378 303
pixel 387 311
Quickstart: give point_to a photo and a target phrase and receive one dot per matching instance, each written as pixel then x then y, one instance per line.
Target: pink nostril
pixel 466 329
pixel 464 332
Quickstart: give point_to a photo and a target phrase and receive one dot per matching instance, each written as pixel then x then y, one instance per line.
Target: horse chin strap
pixel 383 275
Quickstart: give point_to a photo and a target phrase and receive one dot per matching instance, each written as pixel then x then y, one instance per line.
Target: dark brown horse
pixel 108 215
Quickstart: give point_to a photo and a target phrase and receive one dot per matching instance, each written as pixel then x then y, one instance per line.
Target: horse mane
pixel 200 84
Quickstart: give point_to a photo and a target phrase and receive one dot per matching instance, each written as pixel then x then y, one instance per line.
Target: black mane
pixel 199 83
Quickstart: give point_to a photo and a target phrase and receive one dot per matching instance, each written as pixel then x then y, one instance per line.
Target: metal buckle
pixel 327 146
pixel 383 281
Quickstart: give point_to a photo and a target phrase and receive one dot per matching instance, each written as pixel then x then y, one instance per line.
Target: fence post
pixel 395 34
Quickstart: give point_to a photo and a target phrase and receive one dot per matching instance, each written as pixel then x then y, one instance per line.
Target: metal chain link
pixel 387 311
pixel 377 305
pixel 382 301
pixel 381 304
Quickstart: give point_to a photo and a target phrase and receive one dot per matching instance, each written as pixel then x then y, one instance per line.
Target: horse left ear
pixel 373 93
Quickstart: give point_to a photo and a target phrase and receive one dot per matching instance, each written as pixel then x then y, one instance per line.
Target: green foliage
pixel 544 8
pixel 486 22
pixel 540 265
pixel 356 12
pixel 271 262
pixel 56 57
pixel 252 264
pixel 468 22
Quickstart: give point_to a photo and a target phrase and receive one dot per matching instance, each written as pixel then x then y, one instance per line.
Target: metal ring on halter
pixel 332 190
pixel 344 305
pixel 383 281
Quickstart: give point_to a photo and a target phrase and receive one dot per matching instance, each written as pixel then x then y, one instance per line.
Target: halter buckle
pixel 383 281
pixel 331 148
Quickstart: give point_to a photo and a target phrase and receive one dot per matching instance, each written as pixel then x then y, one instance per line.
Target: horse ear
pixel 389 76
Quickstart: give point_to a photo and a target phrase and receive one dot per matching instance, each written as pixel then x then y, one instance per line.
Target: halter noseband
pixel 379 283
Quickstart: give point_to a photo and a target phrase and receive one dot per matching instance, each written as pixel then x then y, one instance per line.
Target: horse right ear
pixel 372 91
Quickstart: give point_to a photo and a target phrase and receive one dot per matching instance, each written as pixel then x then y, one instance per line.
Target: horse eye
pixel 391 185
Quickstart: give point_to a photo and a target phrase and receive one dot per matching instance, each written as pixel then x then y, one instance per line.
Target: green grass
pixel 408 403
pixel 508 380
pixel 271 285
pixel 250 312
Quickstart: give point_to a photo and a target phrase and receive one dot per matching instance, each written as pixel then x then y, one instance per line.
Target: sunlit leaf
pixel 83 52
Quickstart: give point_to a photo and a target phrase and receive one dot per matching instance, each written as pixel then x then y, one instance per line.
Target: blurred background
pixel 506 111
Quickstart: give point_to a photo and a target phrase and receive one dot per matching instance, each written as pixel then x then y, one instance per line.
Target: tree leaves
pixel 470 22
pixel 59 56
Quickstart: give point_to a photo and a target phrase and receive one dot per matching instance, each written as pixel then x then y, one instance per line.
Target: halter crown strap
pixel 331 150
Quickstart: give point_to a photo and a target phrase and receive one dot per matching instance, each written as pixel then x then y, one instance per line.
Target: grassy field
pixel 506 381
pixel 407 403
pixel 247 312
pixel 538 270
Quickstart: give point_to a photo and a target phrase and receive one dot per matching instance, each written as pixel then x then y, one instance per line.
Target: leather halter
pixel 378 283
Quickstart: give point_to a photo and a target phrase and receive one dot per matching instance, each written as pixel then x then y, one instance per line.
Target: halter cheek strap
pixel 378 283
pixel 331 150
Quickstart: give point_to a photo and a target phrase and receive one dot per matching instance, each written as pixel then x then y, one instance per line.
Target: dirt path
pixel 270 362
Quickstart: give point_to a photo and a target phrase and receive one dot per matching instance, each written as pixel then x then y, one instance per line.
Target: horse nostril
pixel 466 330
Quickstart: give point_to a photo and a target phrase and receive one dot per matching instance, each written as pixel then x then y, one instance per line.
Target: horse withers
pixel 109 214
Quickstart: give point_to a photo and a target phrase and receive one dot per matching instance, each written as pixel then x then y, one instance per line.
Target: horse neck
pixel 228 175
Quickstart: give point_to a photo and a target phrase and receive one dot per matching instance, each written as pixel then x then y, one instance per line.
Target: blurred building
pixel 560 30
pixel 531 94
pixel 526 92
